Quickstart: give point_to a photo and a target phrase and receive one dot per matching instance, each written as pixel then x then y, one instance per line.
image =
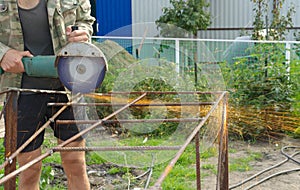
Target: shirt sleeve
pixel 3 49
pixel 84 20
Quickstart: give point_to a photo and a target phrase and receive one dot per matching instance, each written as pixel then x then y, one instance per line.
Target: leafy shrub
pixel 263 92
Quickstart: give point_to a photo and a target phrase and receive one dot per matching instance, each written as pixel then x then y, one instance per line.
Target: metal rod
pixel 222 181
pixel 100 122
pixel 24 167
pixel 5 92
pixel 121 148
pixel 63 122
pixel 38 91
pixel 13 155
pixel 137 105
pixel 198 172
pixel 222 176
pixel 168 169
pixel 11 136
pixel 156 92
pixel 49 152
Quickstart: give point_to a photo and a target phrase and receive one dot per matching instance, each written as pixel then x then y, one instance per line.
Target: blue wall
pixel 112 16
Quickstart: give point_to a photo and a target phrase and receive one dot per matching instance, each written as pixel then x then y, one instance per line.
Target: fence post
pixel 177 55
pixel 288 58
pixel 222 176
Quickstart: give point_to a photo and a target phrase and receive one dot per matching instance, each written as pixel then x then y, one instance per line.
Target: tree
pixel 276 25
pixel 263 90
pixel 185 17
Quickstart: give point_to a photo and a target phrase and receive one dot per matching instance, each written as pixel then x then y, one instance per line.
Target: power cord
pixel 288 157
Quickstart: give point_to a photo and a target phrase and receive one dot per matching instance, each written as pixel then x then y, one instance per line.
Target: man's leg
pixel 31 115
pixel 75 167
pixel 30 178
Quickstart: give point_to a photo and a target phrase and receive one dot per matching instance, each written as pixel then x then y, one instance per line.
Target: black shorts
pixel 33 113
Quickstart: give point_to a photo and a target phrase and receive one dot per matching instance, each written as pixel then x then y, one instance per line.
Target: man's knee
pixel 73 158
pixel 74 161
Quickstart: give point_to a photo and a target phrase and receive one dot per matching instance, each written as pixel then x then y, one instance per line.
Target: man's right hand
pixel 12 61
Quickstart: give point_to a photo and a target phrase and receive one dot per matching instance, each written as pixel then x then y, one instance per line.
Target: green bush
pixel 264 95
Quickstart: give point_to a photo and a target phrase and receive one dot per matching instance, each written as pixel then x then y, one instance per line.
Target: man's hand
pixel 76 35
pixel 12 61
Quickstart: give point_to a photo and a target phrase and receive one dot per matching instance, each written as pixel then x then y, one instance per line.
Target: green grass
pixel 243 164
pixel 2 158
pixel 210 167
pixel 94 158
pixel 115 170
pixel 182 176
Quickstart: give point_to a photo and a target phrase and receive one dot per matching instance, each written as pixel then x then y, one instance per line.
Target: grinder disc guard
pixel 81 67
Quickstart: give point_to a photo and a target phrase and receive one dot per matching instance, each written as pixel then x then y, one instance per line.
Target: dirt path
pixel 270 156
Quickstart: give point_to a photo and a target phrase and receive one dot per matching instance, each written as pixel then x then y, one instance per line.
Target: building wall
pixel 296 17
pixel 225 14
pixel 230 15
pixel 144 14
pixel 230 18
pixel 114 17
pixel 227 17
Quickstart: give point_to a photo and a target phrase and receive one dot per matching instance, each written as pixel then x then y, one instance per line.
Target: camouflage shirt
pixel 61 13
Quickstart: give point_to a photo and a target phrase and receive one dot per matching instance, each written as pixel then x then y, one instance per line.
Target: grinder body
pixel 80 66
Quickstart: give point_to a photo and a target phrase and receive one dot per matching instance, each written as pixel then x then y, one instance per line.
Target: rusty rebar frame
pixel 10 130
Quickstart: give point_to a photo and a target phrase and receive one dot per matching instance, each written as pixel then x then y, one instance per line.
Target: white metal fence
pixel 182 50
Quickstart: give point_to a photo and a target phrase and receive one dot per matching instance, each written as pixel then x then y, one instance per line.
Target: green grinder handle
pixel 39 66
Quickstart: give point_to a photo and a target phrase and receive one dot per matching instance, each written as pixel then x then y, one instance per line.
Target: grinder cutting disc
pixel 81 67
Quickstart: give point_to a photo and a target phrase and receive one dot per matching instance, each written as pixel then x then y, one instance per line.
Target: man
pixel 42 27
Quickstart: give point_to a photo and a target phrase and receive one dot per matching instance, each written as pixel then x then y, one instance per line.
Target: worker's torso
pixel 37 40
pixel 61 13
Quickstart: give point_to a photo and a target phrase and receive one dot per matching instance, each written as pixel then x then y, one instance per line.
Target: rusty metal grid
pixel 9 180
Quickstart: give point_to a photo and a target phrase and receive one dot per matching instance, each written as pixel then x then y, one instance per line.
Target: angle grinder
pixel 80 66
